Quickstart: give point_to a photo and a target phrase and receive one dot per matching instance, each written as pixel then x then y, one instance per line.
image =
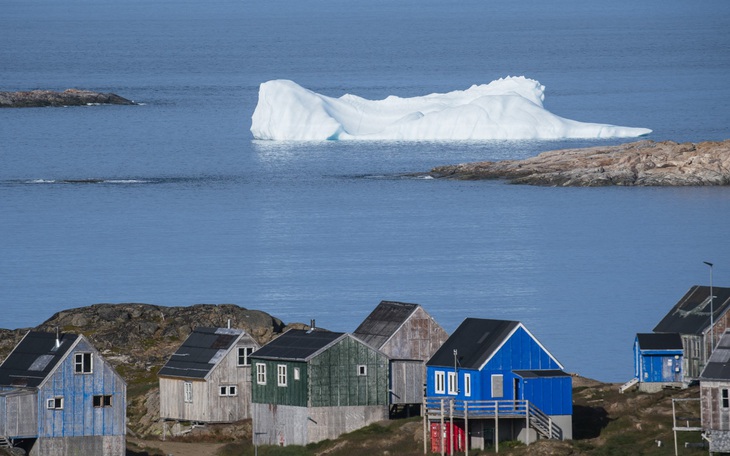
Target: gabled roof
pixel 691 315
pixel 475 340
pixel 718 366
pixel 34 358
pixel 201 352
pixel 660 341
pixel 297 345
pixel 383 322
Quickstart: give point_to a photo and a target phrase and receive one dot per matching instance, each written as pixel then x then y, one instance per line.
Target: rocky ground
pixel 138 338
pixel 70 97
pixel 645 163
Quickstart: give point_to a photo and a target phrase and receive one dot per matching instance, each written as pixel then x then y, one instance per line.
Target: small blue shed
pixel 498 367
pixel 658 359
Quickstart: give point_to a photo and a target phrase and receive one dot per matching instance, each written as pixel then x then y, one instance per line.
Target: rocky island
pixel 70 97
pixel 643 163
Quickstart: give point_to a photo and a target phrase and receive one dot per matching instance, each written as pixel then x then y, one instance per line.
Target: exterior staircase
pixel 543 424
pixel 628 385
pixel 5 442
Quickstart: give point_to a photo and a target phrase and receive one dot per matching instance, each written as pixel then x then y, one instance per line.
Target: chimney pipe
pixel 58 340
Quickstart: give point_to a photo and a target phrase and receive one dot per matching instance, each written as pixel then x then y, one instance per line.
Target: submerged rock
pixel 643 163
pixel 70 97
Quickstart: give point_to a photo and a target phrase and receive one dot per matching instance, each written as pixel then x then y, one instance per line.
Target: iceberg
pixel 508 108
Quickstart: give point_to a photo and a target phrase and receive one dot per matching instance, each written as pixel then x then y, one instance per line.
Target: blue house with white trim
pixel 496 378
pixel 658 361
pixel 59 396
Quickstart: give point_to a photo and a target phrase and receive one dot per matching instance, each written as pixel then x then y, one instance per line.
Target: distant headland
pixel 69 97
pixel 642 163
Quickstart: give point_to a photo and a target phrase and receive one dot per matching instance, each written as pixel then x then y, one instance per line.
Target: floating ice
pixel 509 108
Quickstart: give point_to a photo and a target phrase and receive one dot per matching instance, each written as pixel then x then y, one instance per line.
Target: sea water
pixel 171 202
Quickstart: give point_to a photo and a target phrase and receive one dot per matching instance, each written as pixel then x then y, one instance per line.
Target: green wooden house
pixel 311 385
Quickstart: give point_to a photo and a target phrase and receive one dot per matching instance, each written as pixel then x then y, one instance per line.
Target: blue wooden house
pixel 494 378
pixel 59 396
pixel 658 359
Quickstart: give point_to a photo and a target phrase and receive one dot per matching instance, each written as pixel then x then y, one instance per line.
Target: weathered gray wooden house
pixel 690 318
pixel 311 385
pixel 208 378
pixel 409 336
pixel 59 396
pixel 715 397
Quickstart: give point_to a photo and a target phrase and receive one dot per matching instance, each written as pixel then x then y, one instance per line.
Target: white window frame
pixel 452 383
pixel 362 370
pixel 244 354
pixel 80 363
pixel 227 391
pixel 439 380
pixel 281 377
pixel 261 373
pixel 188 392
pixel 55 403
pixel 296 373
pixel 467 385
pixel 497 381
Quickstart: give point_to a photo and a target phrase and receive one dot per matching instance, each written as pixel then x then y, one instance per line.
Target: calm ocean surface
pixel 192 210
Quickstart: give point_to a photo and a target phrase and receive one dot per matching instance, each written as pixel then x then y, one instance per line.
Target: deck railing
pixel 437 408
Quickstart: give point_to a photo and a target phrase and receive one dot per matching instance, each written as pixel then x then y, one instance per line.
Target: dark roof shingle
pixel 475 340
pixel 297 344
pixel 200 352
pixel 34 358
pixel 718 366
pixel 691 315
pixel 660 341
pixel 383 322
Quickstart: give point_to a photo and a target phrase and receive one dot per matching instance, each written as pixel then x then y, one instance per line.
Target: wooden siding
pixel 207 404
pixel 79 417
pixel 294 393
pixel 291 425
pixel 714 416
pixel 19 414
pixel 406 381
pixel 418 338
pixel 112 445
pixel 694 357
pixel 334 379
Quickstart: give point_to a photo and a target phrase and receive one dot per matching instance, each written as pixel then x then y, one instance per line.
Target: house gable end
pixel 520 350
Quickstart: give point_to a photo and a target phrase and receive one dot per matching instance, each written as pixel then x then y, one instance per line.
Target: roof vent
pixel 58 340
pixel 311 326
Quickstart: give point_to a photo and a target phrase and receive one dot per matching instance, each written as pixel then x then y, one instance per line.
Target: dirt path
pixel 179 448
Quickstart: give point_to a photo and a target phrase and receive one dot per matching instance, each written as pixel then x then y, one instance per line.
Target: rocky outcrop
pixel 643 163
pixel 70 97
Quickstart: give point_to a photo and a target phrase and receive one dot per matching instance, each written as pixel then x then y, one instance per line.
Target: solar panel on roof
pixel 41 363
